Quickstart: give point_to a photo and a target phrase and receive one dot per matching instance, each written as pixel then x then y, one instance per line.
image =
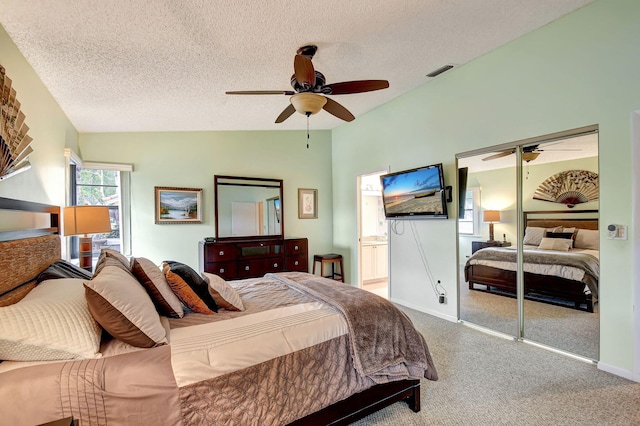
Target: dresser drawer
pixel 219 252
pixel 297 263
pixel 226 270
pixel 295 247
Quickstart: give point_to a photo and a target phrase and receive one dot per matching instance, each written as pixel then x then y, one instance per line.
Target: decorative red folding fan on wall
pixel 14 142
pixel 571 187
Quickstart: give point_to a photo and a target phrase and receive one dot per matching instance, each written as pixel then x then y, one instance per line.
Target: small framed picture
pixel 307 203
pixel 178 205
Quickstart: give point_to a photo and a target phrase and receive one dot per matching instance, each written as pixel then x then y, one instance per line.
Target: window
pixel 98 184
pixel 470 223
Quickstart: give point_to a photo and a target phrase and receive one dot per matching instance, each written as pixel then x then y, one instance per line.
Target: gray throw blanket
pixel 385 345
pixel 586 262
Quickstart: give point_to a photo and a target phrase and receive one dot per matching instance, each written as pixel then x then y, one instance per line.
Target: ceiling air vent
pixel 440 71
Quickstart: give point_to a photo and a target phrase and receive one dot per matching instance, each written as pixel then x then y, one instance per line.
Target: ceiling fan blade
pixel 498 155
pixel 334 108
pixel 261 92
pixel 304 71
pixel 286 113
pixel 359 86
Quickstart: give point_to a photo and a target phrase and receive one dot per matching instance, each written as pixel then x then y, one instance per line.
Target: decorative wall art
pixel 570 187
pixel 14 142
pixel 307 203
pixel 178 205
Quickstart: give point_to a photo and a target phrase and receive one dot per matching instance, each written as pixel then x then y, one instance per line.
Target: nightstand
pixel 477 245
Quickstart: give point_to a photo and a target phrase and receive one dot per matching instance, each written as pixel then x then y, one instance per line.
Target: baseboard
pixel 423 310
pixel 617 371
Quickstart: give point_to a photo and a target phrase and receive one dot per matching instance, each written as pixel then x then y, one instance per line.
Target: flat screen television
pixel 415 194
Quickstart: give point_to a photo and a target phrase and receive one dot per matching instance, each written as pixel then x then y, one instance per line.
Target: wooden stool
pixel 332 259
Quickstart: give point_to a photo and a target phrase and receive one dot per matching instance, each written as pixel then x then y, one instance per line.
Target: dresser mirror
pixel 248 207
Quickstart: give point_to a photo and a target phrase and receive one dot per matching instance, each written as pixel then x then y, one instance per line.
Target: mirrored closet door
pixel 536 276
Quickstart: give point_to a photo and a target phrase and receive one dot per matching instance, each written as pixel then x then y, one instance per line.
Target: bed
pixel 563 272
pixel 304 350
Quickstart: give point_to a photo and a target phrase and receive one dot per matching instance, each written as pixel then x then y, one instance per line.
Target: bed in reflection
pixel 561 262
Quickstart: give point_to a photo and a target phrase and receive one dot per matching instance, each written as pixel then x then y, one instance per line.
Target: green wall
pixel 48 126
pixel 191 159
pixel 577 71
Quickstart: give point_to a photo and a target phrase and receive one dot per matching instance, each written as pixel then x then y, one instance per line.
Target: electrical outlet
pixel 442 299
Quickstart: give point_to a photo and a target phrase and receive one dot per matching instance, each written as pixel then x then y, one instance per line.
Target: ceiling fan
pixel 529 153
pixel 310 89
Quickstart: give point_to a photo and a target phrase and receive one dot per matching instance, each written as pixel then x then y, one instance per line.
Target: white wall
pixel 48 126
pixel 577 71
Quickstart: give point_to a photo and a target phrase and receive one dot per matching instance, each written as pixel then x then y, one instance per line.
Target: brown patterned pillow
pixel 184 292
pixel 153 280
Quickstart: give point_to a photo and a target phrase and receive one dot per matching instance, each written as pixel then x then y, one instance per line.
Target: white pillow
pixel 587 239
pixel 559 244
pixel 225 296
pixel 52 322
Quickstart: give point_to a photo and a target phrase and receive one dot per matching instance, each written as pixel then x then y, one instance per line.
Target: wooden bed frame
pixel 343 412
pixel 503 282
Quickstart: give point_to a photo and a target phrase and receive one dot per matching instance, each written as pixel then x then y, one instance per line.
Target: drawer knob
pixel 275 265
pixel 221 252
pixel 296 248
pixel 295 263
pixel 246 268
pixel 261 244
pixel 222 270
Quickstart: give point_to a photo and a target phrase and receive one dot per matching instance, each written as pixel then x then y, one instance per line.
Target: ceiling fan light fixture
pixel 308 103
pixel 530 156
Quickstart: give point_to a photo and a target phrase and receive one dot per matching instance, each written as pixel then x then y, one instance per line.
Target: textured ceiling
pixel 157 65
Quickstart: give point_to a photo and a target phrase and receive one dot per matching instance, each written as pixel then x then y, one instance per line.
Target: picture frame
pixel 178 205
pixel 307 203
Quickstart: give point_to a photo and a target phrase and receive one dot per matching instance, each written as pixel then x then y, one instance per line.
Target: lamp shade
pixel 82 220
pixel 491 216
pixel 310 103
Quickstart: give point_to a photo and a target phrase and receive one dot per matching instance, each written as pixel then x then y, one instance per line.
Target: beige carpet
pixel 564 328
pixel 487 380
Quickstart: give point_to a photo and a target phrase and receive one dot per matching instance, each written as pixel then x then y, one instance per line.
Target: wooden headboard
pixel 24 253
pixel 584 219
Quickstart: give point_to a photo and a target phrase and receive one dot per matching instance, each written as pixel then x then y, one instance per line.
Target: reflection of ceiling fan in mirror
pixel 310 91
pixel 529 153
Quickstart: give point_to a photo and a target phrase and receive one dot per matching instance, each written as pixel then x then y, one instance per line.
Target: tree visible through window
pixel 95 187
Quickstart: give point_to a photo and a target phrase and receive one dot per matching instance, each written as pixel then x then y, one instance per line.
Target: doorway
pixel 373 253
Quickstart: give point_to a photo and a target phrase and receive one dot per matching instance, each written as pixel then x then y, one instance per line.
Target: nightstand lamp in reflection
pixel 491 216
pixel 85 220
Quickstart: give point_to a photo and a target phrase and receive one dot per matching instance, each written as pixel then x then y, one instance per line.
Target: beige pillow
pixel 52 322
pixel 533 234
pixel 109 257
pixel 122 307
pixel 153 280
pixel 587 239
pixel 225 296
pixel 558 244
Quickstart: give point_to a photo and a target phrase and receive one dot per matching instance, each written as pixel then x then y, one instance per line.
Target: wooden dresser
pixel 249 258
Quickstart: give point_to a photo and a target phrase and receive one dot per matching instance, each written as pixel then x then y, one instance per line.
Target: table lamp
pixel 84 220
pixel 491 216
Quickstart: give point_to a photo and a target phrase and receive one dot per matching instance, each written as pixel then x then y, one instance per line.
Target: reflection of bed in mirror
pixel 561 261
pixel 248 207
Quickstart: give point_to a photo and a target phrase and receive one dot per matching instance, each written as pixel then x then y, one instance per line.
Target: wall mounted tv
pixel 415 194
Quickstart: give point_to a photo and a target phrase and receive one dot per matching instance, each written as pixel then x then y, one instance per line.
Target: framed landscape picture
pixel 307 203
pixel 178 205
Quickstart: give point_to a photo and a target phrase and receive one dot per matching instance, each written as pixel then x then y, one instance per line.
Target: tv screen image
pixel 416 192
